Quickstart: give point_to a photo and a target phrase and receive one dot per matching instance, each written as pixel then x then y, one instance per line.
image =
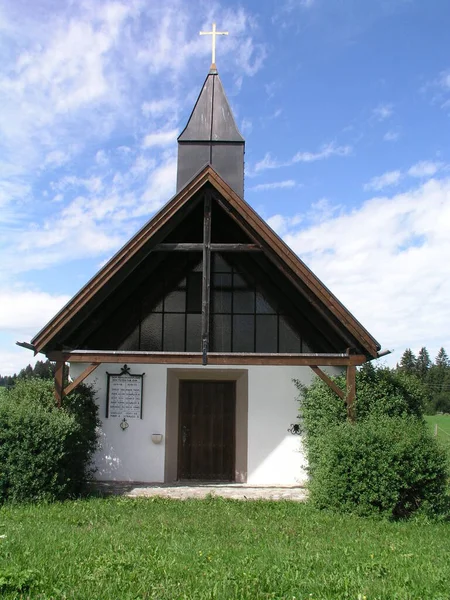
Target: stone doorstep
pixel 184 490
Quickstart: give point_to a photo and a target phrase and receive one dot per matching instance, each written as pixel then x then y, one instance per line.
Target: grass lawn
pixel 123 549
pixel 443 423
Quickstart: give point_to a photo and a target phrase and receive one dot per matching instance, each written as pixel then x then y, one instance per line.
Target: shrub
pixel 379 391
pixel 389 466
pixel 45 452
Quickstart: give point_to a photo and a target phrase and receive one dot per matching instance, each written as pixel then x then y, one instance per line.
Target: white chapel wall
pixel 274 455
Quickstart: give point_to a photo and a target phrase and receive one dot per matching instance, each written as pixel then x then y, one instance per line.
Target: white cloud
pixel 25 311
pixel 282 225
pixel 267 163
pixel 275 185
pixel 444 80
pixel 246 126
pixel 387 179
pixel 325 152
pixel 425 168
pixel 389 272
pixel 160 138
pixel 391 136
pixel 15 359
pixel 156 108
pixel 383 112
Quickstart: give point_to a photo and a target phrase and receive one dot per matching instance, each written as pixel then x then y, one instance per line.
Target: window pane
pixel 263 306
pixel 221 333
pixel 221 281
pixel 221 302
pixel 199 266
pixel 131 342
pixel 289 339
pixel 194 333
pixel 175 301
pixel 219 264
pixel 194 293
pixel 266 333
pixel 173 333
pixel 305 347
pixel 151 332
pixel 243 333
pixel 239 283
pixel 244 302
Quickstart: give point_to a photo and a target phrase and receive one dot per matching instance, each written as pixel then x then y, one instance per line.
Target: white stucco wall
pixel 274 455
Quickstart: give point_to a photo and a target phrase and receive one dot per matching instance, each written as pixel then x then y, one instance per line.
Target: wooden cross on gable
pixel 213 33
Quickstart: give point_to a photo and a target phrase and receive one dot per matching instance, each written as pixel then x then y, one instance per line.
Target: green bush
pixel 387 462
pixel 379 391
pixel 389 466
pixel 45 452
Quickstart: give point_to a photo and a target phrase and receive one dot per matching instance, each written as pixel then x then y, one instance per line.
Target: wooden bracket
pixel 88 370
pixel 330 383
pixel 351 392
pixel 59 382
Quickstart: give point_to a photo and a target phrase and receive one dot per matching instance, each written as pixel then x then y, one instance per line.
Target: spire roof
pixel 212 119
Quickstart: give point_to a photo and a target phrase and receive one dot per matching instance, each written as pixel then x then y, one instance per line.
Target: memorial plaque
pixel 124 394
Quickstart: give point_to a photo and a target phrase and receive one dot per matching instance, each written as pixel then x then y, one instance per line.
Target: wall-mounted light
pixel 124 424
pixel 295 429
pixel 157 438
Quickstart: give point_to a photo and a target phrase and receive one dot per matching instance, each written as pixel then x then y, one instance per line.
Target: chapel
pixel 194 332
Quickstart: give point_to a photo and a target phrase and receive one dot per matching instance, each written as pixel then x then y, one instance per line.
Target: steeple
pixel 212 137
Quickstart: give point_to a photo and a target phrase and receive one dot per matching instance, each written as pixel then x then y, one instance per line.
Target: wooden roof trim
pixel 297 265
pixel 214 358
pixel 121 257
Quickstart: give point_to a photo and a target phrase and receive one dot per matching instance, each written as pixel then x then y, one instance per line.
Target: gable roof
pixel 294 268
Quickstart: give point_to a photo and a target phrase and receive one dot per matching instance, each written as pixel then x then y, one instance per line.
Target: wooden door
pixel 206 439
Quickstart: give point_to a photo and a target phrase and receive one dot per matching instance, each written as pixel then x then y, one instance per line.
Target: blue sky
pixel 344 105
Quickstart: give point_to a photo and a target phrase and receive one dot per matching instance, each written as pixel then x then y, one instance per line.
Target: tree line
pixel 435 376
pixel 43 369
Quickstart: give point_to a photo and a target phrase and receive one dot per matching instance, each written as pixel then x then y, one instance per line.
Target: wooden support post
pixel 351 392
pixel 80 378
pixel 330 383
pixel 59 382
pixel 206 283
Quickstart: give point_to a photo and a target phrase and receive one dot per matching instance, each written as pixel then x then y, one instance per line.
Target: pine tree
pixel 423 363
pixel 442 359
pixel 408 362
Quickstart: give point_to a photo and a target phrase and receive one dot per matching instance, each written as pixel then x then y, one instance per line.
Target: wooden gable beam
pixel 206 280
pixel 198 247
pixel 214 358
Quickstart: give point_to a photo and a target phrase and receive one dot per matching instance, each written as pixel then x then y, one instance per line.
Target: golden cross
pixel 214 33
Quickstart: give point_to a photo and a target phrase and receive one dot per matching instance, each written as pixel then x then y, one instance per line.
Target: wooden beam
pixel 330 383
pixel 198 247
pixel 59 382
pixel 87 371
pixel 214 358
pixel 351 392
pixel 206 282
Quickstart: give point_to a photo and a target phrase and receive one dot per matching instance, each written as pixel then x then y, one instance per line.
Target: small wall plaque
pixel 124 394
